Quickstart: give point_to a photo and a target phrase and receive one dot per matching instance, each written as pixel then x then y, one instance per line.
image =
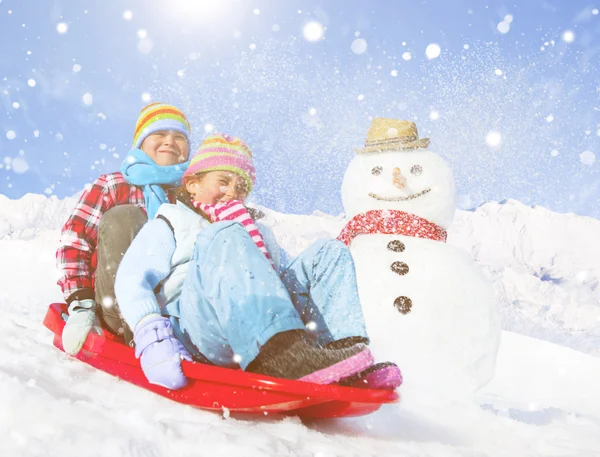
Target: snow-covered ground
pixel 543 401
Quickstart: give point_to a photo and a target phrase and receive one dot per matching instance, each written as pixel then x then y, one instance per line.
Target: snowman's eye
pixel 376 171
pixel 416 170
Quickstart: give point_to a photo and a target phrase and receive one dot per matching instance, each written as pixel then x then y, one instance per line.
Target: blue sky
pixel 512 101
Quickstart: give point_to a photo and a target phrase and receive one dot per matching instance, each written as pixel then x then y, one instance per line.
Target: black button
pixel 399 267
pixel 396 246
pixel 403 304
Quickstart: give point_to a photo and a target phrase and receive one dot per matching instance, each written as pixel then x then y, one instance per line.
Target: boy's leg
pixel 232 301
pixel 116 231
pixel 322 284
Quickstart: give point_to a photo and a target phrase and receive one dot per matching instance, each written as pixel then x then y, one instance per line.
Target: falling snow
pixel 19 165
pixel 503 27
pixel 433 51
pixel 145 46
pixel 493 139
pixel 313 31
pixel 587 158
pixel 88 99
pixel 568 36
pixel 359 46
pixel 303 86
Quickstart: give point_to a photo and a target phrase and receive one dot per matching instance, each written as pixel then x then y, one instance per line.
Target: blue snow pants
pixel 233 301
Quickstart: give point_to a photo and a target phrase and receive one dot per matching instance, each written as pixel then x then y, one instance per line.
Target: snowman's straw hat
pixel 386 134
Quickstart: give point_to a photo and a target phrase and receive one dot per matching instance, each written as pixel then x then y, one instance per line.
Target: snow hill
pixel 543 401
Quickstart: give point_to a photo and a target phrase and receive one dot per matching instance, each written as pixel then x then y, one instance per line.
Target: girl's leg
pixel 232 300
pixel 322 285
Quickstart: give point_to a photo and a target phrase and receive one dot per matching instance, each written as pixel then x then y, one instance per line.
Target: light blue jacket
pixel 151 275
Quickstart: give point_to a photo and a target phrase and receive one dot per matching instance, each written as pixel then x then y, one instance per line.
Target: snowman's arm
pixel 275 251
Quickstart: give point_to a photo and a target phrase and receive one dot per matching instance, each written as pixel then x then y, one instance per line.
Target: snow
pixel 313 31
pixel 587 158
pixel 493 138
pixel 503 27
pixel 433 51
pixel 544 268
pixel 88 99
pixel 359 46
pixel 542 401
pixel 568 36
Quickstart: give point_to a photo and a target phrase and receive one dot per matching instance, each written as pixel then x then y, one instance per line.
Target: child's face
pixel 216 187
pixel 166 147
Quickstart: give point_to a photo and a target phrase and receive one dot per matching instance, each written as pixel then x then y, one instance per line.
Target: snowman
pixel 427 305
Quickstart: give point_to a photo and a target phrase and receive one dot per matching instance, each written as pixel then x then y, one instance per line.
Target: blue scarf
pixel 140 170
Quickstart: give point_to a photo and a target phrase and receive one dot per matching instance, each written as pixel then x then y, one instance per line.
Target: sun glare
pixel 200 10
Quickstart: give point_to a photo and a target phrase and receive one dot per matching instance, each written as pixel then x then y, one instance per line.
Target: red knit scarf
pixel 234 210
pixel 391 222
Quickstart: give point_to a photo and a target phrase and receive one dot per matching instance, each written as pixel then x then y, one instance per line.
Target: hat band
pixel 398 139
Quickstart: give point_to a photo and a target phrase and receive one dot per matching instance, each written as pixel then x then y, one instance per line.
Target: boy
pixel 108 216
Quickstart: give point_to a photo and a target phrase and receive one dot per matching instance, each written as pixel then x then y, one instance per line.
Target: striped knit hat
pixel 156 117
pixel 226 153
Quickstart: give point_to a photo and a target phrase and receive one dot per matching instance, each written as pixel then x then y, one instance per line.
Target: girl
pixel 201 281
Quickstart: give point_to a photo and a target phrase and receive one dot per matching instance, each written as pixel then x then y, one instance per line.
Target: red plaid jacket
pixel 75 257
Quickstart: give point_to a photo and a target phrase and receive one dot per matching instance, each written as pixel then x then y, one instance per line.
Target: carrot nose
pixel 399 180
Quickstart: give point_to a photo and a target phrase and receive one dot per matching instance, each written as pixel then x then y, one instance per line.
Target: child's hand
pixel 161 353
pixel 82 319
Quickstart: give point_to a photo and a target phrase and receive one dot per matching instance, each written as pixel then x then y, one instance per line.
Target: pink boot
pixel 385 375
pixel 352 366
pixel 291 355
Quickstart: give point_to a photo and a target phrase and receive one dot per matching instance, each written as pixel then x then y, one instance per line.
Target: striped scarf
pixel 234 210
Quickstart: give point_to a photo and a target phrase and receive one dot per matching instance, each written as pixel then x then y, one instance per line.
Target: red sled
pixel 219 389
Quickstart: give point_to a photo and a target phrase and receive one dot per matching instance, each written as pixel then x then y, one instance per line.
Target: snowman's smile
pixel 399 199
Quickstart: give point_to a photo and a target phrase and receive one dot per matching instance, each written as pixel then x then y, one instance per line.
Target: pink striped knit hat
pixel 226 153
